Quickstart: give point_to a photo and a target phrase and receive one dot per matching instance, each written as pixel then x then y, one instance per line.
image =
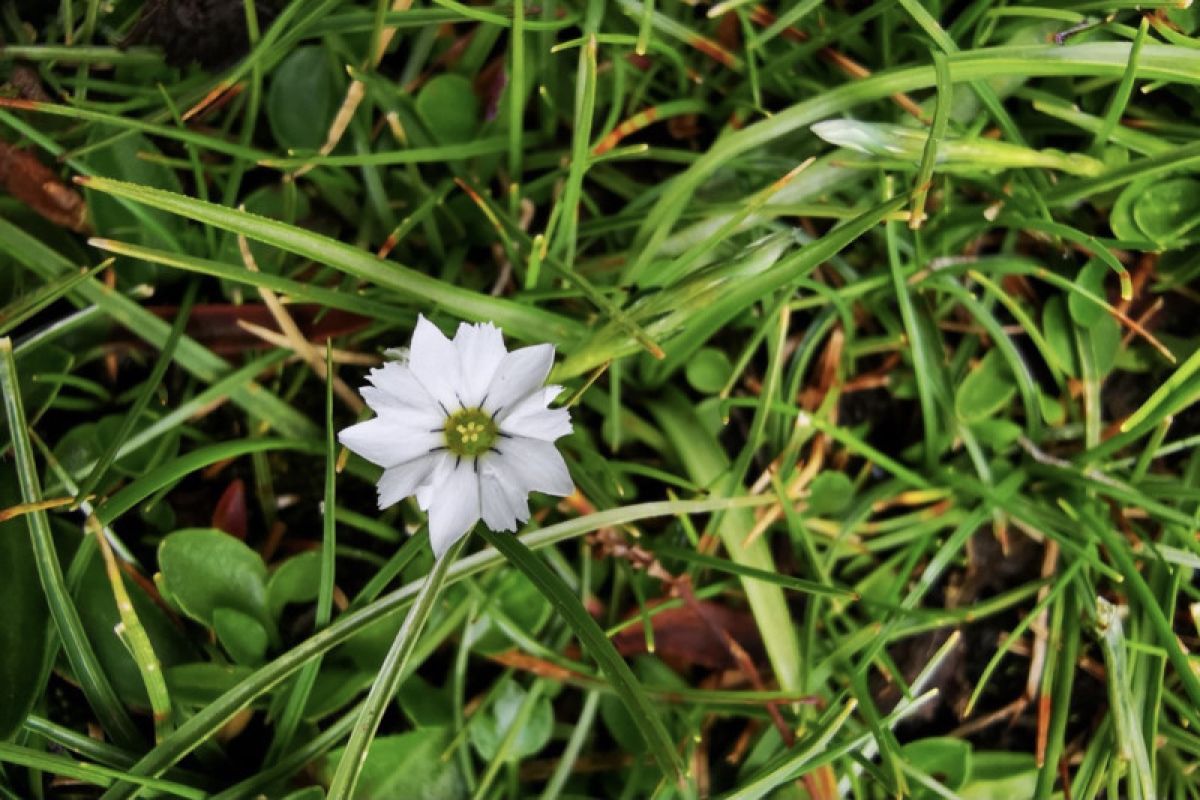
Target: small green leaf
pixel 986 390
pixel 242 636
pixel 1000 776
pixel 1104 337
pixel 998 434
pixel 520 601
pixel 449 108
pixel 1083 310
pixel 488 730
pixel 1167 210
pixel 1060 334
pixel 946 760
pixel 302 99
pixel 408 765
pixel 206 569
pixel 425 704
pixel 294 581
pixel 708 370
pixel 830 493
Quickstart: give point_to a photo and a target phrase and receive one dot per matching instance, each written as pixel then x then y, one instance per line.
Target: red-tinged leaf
pixel 683 638
pixel 230 513
pixel 36 185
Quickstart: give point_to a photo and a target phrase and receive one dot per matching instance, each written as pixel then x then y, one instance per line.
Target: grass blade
pixel 597 645
pixel 92 679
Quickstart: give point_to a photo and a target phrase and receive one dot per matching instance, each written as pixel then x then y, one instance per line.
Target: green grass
pixel 885 428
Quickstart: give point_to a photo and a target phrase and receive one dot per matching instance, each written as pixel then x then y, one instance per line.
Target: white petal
pixel 427 417
pixel 402 480
pixel 520 373
pixel 480 351
pixel 443 464
pixel 434 362
pixel 503 503
pixel 395 386
pixel 534 465
pixel 390 440
pixel 455 507
pixel 530 417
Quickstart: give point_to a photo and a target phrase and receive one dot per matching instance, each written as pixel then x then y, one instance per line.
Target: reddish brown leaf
pixel 230 513
pixel 683 638
pixel 35 185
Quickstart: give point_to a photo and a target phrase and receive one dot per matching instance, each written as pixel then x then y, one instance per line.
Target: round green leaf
pixel 1084 310
pixel 242 636
pixel 296 580
pixel 945 759
pixel 206 569
pixel 830 493
pixel 1060 334
pixel 1167 210
pixel 408 765
pixel 986 389
pixel 519 601
pixel 487 730
pixel 709 370
pixel 449 109
pixel 302 99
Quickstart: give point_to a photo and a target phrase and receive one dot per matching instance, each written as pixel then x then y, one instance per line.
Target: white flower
pixel 465 426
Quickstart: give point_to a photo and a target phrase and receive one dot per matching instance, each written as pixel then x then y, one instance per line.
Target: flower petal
pixel 520 373
pixel 390 440
pixel 480 351
pixel 395 386
pixel 530 417
pixel 443 464
pixel 402 480
pixel 434 361
pixel 534 465
pixel 503 503
pixel 455 507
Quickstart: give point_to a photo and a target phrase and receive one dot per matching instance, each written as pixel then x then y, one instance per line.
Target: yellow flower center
pixel 470 432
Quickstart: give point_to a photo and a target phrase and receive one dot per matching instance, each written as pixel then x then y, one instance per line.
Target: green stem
pixel 390 675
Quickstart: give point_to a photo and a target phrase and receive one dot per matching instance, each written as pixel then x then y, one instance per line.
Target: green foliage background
pixel 879 326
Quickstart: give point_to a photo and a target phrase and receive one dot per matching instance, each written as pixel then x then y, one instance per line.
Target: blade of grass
pixel 192 356
pixel 391 673
pixel 26 306
pixel 289 717
pixel 95 683
pixel 596 644
pixel 94 774
pixel 1159 62
pixel 165 358
pixel 522 321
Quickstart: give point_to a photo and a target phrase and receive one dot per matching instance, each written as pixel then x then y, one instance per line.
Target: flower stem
pixel 388 680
